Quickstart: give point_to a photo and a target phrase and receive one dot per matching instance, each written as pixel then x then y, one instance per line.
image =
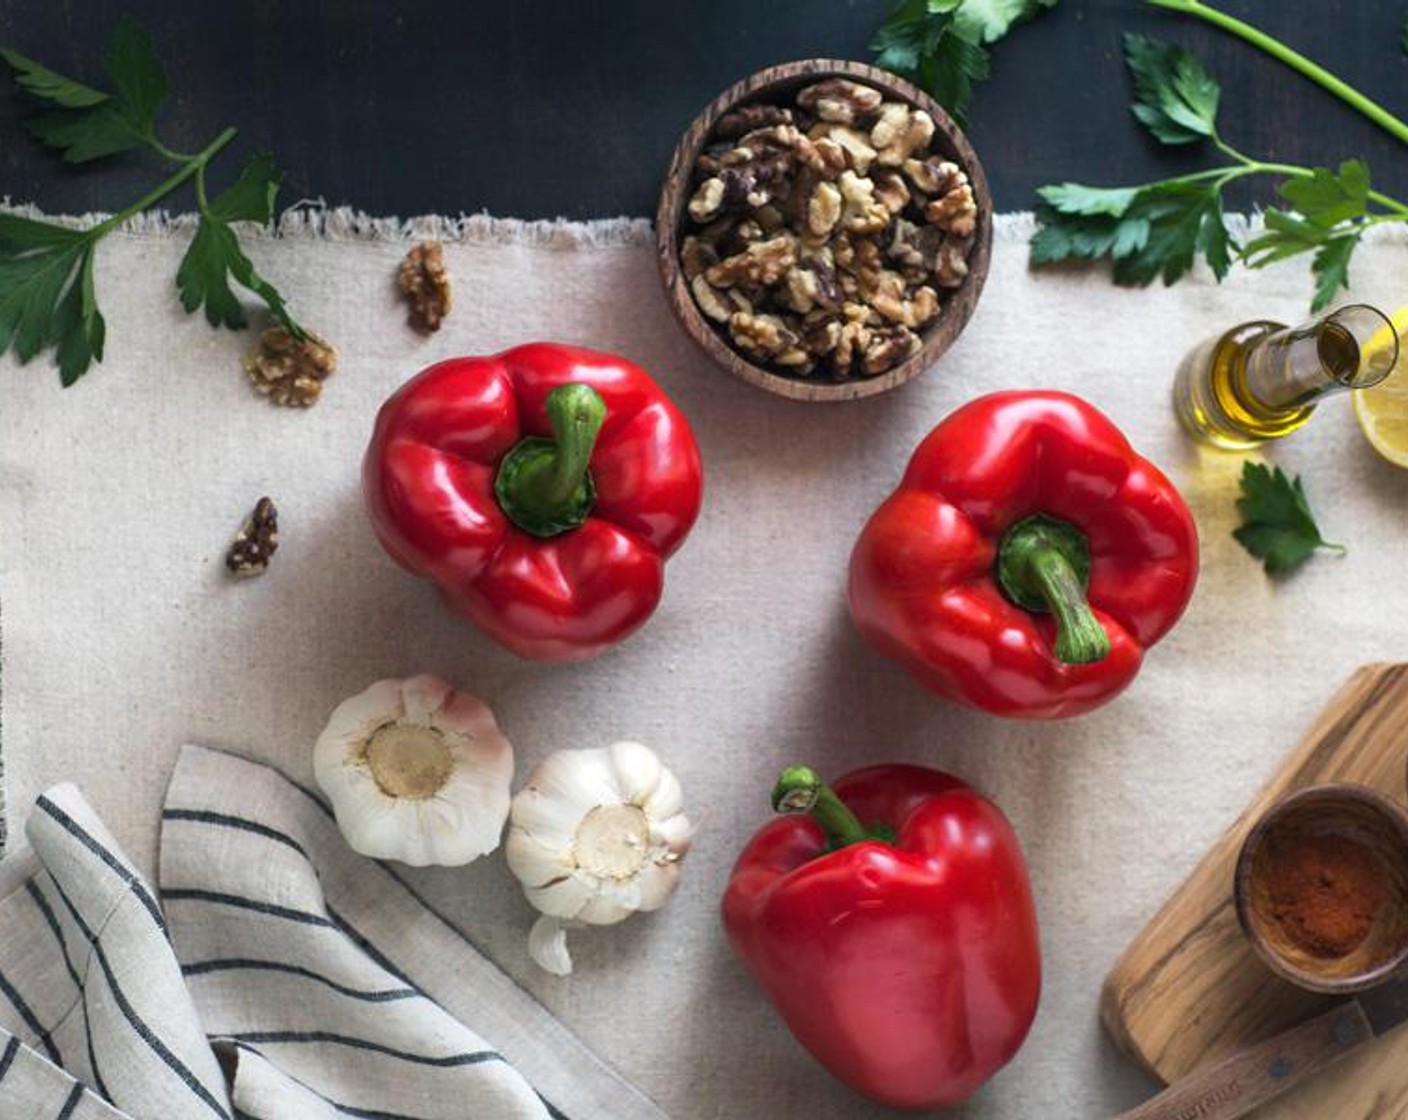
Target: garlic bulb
pixel 594 836
pixel 416 772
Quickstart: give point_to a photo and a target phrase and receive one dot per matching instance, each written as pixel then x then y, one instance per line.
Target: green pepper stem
pixel 543 485
pixel 1043 564
pixel 800 789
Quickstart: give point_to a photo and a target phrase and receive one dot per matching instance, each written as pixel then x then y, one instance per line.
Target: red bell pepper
pixel 903 951
pixel 541 489
pixel 1027 560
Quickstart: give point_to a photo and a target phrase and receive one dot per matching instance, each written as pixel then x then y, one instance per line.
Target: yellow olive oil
pixel 1261 380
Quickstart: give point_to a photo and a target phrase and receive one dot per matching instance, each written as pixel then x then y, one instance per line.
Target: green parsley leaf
pixel 214 258
pixel 41 82
pixel 1175 97
pixel 1149 232
pixel 1076 198
pixel 938 44
pixel 1277 525
pixel 987 21
pixel 136 73
pixel 83 135
pixel 949 73
pixel 251 197
pixel 1327 197
pixel 1331 270
pixel 46 294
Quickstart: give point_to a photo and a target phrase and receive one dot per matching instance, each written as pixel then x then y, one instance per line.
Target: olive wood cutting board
pixel 1190 990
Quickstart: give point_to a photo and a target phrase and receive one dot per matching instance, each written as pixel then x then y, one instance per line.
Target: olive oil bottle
pixel 1262 380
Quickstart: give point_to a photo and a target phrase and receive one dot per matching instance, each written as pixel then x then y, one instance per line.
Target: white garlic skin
pixel 459 805
pixel 594 836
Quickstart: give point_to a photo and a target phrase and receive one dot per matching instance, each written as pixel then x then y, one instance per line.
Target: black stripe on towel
pixel 52 919
pixel 31 1020
pixel 74 829
pixel 11 1049
pixel 553 1111
pixel 53 922
pixel 157 1047
pixel 378 957
pixel 71 1104
pixel 204 816
pixel 184 894
pixel 477 1057
pixel 231 964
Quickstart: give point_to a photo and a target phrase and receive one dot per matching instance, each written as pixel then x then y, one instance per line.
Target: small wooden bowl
pixel 1355 813
pixel 778 84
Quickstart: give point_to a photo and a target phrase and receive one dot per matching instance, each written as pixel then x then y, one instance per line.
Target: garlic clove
pixel 656 884
pixel 547 945
pixel 577 780
pixel 564 897
pixel 672 832
pixel 534 863
pixel 551 821
pixel 638 771
pixel 422 698
pixel 606 910
pixel 353 719
pixel 666 800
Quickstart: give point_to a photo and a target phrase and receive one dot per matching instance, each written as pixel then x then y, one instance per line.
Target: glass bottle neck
pixel 1295 367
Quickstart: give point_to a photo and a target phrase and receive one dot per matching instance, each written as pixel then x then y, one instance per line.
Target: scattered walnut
pixel 256 542
pixel 426 286
pixel 826 232
pixel 290 372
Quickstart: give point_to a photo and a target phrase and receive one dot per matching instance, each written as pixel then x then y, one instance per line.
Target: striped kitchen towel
pixel 279 977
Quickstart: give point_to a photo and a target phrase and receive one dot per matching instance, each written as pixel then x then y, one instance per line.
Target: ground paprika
pixel 1325 891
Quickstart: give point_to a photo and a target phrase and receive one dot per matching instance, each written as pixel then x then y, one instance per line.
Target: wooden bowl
pixel 778 84
pixel 1353 813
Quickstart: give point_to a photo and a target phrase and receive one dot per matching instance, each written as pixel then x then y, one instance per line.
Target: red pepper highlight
pixel 1027 560
pixel 894 929
pixel 541 489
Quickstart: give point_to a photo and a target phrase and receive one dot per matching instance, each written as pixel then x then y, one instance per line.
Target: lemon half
pixel 1382 411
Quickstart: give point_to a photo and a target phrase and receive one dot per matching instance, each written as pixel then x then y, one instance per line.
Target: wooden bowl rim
pixel 936 338
pixel 1335 793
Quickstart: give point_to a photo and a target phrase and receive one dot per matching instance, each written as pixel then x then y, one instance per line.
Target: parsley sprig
pixel 47 297
pixel 1277 525
pixel 941 45
pixel 1156 230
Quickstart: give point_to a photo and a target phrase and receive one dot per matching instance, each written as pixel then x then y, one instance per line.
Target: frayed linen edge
pixel 315 221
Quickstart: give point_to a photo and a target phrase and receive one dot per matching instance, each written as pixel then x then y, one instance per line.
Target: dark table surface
pixel 572 108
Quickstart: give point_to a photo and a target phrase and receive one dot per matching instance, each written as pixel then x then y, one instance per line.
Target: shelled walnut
pixel 824 235
pixel 288 371
pixel 256 542
pixel 425 284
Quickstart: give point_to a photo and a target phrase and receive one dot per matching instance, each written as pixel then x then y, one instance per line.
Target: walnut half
pixel 426 286
pixel 290 372
pixel 256 542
